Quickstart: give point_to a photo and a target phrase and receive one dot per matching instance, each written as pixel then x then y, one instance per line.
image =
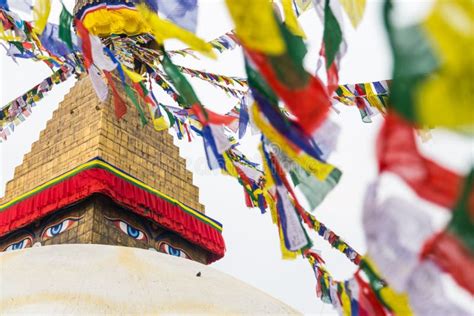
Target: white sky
pixel 252 240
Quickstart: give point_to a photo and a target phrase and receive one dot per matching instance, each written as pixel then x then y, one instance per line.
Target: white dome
pixel 98 279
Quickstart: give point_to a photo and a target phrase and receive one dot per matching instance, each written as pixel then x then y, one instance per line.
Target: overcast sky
pixel 253 253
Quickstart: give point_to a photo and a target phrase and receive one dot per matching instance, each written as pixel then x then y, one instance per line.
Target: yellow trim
pixel 47 184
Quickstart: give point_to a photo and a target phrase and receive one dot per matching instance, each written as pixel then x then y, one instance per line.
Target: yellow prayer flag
pixel 341 247
pixel 4 36
pixel 164 29
pixel 373 98
pixel 354 9
pixel 256 26
pixel 268 185
pixel 398 302
pixel 346 92
pixel 304 5
pixel 317 225
pixel 195 123
pixel 133 75
pixel 229 166
pixel 291 20
pixel 40 14
pixel 445 98
pixel 345 301
pixel 285 253
pixel 272 206
pixel 160 124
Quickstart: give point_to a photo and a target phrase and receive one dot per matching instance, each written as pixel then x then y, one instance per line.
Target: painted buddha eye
pixel 21 244
pixel 128 229
pixel 58 228
pixel 167 248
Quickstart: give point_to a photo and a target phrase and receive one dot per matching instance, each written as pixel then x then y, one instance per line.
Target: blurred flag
pixel 182 12
pixel 21 5
pixel 4 5
pixel 256 26
pixel 432 76
pixel 41 12
pixel 398 153
pixel 354 9
pixel 50 40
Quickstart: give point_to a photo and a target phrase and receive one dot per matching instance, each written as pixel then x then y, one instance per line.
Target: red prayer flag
pixel 86 42
pixel 397 152
pixel 212 117
pixel 120 106
pixel 142 93
pixel 5 22
pixel 453 257
pixel 309 104
pixel 332 73
pixel 368 302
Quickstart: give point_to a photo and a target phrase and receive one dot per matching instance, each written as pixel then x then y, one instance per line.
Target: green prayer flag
pixel 314 189
pixel 18 45
pixel 256 82
pixel 294 178
pixel 332 35
pixel 462 223
pixel 132 97
pixel 180 83
pixel 376 283
pixel 413 61
pixel 170 116
pixel 288 67
pixel 65 22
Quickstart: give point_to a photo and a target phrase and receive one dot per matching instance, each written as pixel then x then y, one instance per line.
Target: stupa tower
pixel 91 178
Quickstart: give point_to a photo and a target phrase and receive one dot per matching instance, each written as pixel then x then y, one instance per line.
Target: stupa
pixel 104 192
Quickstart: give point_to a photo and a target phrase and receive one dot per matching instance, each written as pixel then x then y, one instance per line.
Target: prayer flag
pixel 40 14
